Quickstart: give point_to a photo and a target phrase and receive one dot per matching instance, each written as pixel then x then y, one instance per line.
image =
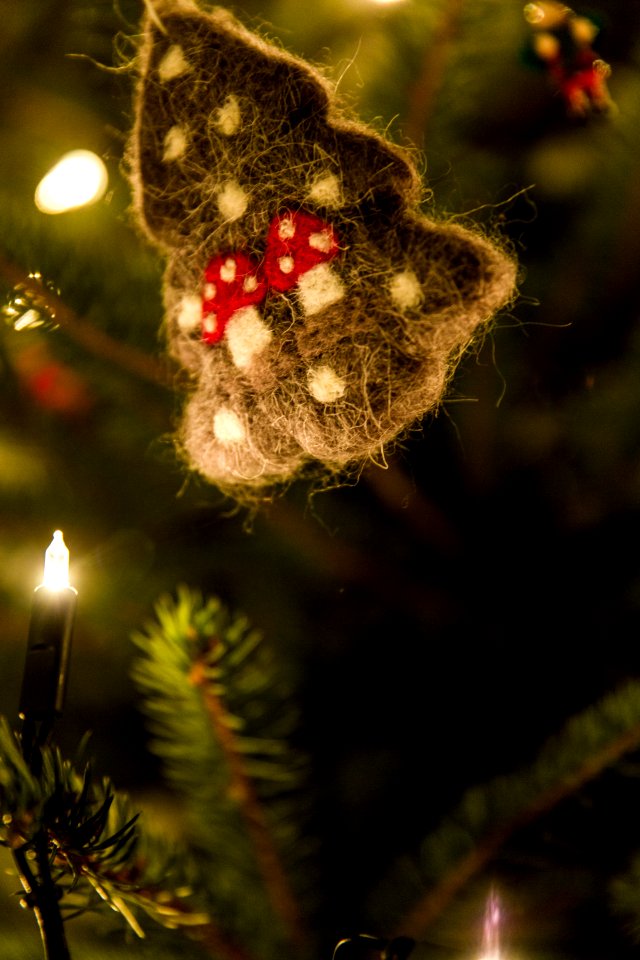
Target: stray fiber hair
pixel 319 314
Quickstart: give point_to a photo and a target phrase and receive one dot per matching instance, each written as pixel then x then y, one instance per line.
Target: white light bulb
pixel 78 178
pixel 492 929
pixel 56 564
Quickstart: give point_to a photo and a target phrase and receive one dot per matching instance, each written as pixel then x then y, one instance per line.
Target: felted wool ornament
pixel 318 313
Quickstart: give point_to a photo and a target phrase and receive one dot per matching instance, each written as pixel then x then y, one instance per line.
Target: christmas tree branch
pixel 209 936
pixel 590 742
pixel 42 897
pixel 88 336
pixel 209 682
pixel 76 845
pixel 213 941
pixel 334 556
pixel 42 894
pixel 423 94
pixel 241 788
pixel 401 496
pixel 174 912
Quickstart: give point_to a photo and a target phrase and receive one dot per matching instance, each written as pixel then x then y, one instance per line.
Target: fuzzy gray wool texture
pixel 230 132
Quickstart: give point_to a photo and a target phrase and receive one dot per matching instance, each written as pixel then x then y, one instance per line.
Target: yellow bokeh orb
pixel 77 179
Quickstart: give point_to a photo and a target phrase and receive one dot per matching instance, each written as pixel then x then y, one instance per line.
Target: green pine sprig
pixel 220 711
pixel 97 850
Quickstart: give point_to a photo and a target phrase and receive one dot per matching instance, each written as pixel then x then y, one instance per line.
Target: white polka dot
pixel 405 290
pixel 319 288
pixel 189 314
pixel 250 283
pixel 326 191
pixel 228 116
pixel 247 335
pixel 209 323
pixel 173 64
pixel 232 200
pixel 286 229
pixel 227 426
pixel 321 241
pixel 325 384
pixel 209 291
pixel 228 270
pixel 175 144
pixel 286 264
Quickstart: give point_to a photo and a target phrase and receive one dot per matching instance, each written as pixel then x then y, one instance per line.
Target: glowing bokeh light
pixel 534 13
pixel 491 929
pixel 78 179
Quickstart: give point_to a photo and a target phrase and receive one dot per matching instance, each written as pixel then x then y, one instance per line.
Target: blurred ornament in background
pixel 29 307
pixel 78 179
pixel 50 384
pixel 562 43
pixel 364 946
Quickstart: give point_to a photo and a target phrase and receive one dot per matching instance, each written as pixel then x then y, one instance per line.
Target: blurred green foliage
pixel 445 615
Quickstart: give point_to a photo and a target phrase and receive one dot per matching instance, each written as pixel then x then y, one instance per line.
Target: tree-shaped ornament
pixel 317 311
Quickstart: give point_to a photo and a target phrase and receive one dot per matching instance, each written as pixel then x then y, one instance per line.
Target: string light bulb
pixel 77 179
pixel 56 563
pixel 49 643
pixel 491 949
